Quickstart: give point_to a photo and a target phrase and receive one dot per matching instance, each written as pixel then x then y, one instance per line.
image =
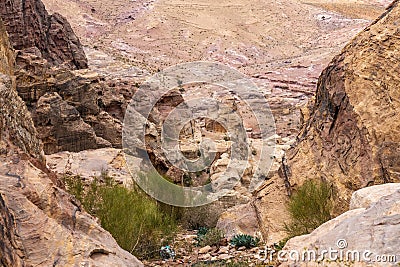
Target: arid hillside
pixel 283 45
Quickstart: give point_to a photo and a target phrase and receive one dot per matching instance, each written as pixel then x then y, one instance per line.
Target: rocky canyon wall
pixel 40 224
pixel 33 31
pixel 351 137
pixel 69 104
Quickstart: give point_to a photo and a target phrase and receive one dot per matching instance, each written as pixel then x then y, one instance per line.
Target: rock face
pixel 32 29
pixel 16 125
pixel 40 224
pixel 374 229
pixel 91 163
pixel 351 137
pixel 72 109
pixel 61 127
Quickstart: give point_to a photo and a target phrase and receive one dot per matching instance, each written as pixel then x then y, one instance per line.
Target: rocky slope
pixel 350 133
pixel 351 137
pixel 40 224
pixel 282 58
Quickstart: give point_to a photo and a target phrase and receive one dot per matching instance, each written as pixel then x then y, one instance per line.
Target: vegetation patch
pixel 243 240
pixel 209 237
pixel 309 207
pixel 136 221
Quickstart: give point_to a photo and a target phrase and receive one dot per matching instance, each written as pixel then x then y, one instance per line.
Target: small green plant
pixel 200 234
pixel 180 86
pixel 309 207
pixel 202 231
pixel 243 240
pixel 279 246
pixel 187 180
pixel 209 237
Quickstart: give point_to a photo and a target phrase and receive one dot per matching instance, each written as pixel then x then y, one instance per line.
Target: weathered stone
pixel 61 128
pixel 91 163
pixel 241 219
pixel 205 256
pixel 224 257
pixel 205 250
pixel 30 26
pixel 363 198
pixel 223 250
pixel 48 56
pixel 15 122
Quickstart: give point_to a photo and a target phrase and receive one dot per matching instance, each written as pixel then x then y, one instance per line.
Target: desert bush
pixel 243 240
pixel 309 207
pixel 202 231
pixel 197 217
pixel 135 221
pixel 209 237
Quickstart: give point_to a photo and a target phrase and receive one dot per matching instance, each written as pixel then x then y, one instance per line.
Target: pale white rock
pixel 205 250
pixel 223 250
pixel 363 198
pixel 224 256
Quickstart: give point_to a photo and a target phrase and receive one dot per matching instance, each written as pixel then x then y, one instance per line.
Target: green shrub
pixel 135 221
pixel 209 237
pixel 309 207
pixel 243 240
pixel 202 231
pixel 279 245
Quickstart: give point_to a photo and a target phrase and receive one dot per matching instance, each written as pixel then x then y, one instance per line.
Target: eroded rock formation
pixel 32 30
pixel 49 59
pixel 350 133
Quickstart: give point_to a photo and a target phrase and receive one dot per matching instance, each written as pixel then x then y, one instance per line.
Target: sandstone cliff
pixel 351 138
pixel 40 224
pixel 70 107
pixel 32 30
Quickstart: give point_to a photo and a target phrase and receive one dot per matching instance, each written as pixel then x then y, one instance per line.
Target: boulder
pixel 363 198
pixel 240 219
